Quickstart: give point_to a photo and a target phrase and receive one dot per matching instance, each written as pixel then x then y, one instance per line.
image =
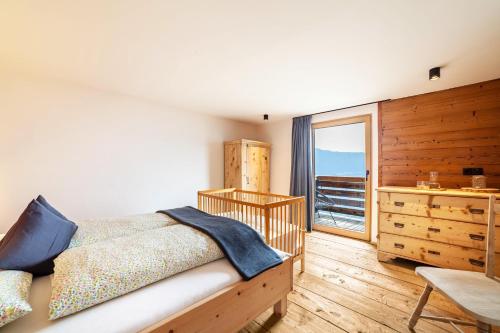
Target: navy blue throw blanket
pixel 243 246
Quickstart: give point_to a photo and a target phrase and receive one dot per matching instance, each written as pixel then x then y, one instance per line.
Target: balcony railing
pixel 340 195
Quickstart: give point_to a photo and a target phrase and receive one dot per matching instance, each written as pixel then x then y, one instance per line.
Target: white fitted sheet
pixel 132 312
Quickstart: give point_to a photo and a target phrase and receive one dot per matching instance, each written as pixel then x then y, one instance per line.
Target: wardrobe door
pixel 257 168
pixel 252 174
pixel 233 166
pixel 265 166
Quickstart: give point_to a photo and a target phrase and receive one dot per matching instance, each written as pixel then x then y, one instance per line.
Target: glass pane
pixel 339 158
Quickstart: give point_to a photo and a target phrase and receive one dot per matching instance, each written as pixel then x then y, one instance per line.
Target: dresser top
pixel 447 192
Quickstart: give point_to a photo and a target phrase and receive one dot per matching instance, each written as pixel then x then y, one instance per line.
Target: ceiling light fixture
pixel 434 73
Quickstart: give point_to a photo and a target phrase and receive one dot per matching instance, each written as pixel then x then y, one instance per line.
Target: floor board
pixel 346 289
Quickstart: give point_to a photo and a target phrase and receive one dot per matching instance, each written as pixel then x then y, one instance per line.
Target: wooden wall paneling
pixel 380 164
pixel 443 131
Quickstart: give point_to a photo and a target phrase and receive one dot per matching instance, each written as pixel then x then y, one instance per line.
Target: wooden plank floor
pixel 345 289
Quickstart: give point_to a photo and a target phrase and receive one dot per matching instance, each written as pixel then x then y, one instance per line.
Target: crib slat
pixel 280 218
pixel 241 212
pixel 276 228
pixel 254 219
pixel 247 221
pixel 299 217
pixel 267 213
pixel 261 217
pixel 273 228
pixel 281 233
pixel 292 231
pixel 295 223
pixel 301 224
pixel 303 235
pixel 289 247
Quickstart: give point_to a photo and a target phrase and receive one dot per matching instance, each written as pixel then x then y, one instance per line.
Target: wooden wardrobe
pixel 247 165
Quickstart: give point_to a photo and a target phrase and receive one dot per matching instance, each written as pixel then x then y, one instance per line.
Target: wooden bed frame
pixel 232 308
pixel 279 218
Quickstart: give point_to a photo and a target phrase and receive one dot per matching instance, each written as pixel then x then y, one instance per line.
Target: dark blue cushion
pixel 35 240
pixel 45 203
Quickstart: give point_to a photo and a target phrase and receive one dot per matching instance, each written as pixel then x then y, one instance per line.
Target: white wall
pixel 93 153
pixel 279 134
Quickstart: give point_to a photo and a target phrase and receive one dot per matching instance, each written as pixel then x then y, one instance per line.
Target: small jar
pixel 433 176
pixel 479 181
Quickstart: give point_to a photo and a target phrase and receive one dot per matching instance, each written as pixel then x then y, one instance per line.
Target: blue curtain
pixel 301 176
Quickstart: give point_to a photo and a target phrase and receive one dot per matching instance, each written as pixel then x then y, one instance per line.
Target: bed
pixel 280 219
pixel 210 293
pixel 212 297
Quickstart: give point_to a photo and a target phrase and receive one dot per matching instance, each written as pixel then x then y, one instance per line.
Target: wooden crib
pixel 279 218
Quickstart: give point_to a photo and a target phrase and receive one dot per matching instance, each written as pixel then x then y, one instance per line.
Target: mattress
pixel 132 312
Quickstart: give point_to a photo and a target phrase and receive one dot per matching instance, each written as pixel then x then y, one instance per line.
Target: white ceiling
pixel 241 59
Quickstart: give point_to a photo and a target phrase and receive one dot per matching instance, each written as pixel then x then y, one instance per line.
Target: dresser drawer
pixel 434 253
pixel 472 210
pixel 439 230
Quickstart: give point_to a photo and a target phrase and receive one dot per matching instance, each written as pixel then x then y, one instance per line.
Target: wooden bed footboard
pixel 235 306
pixel 278 218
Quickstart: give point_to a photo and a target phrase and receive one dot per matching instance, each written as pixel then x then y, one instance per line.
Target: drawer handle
pixel 476 237
pixel 432 229
pixel 476 211
pixel 476 262
pixel 436 253
pixel 399 245
pixel 399 225
pixel 399 203
pixel 435 206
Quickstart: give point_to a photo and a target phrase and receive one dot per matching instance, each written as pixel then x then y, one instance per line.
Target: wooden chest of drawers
pixel 440 228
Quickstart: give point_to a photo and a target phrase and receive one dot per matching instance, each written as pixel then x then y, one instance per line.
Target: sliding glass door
pixel 342 189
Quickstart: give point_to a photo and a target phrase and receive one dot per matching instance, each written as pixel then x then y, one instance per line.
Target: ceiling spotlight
pixel 434 73
pixel 266 117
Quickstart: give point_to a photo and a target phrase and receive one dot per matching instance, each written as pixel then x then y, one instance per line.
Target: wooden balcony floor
pixel 352 223
pixel 345 289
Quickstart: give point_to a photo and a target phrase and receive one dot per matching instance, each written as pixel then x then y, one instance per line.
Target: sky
pixel 345 138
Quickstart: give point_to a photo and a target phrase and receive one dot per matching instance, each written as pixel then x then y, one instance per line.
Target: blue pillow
pixel 44 203
pixel 40 234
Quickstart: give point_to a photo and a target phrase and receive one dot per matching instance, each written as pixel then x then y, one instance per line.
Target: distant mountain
pixel 337 163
